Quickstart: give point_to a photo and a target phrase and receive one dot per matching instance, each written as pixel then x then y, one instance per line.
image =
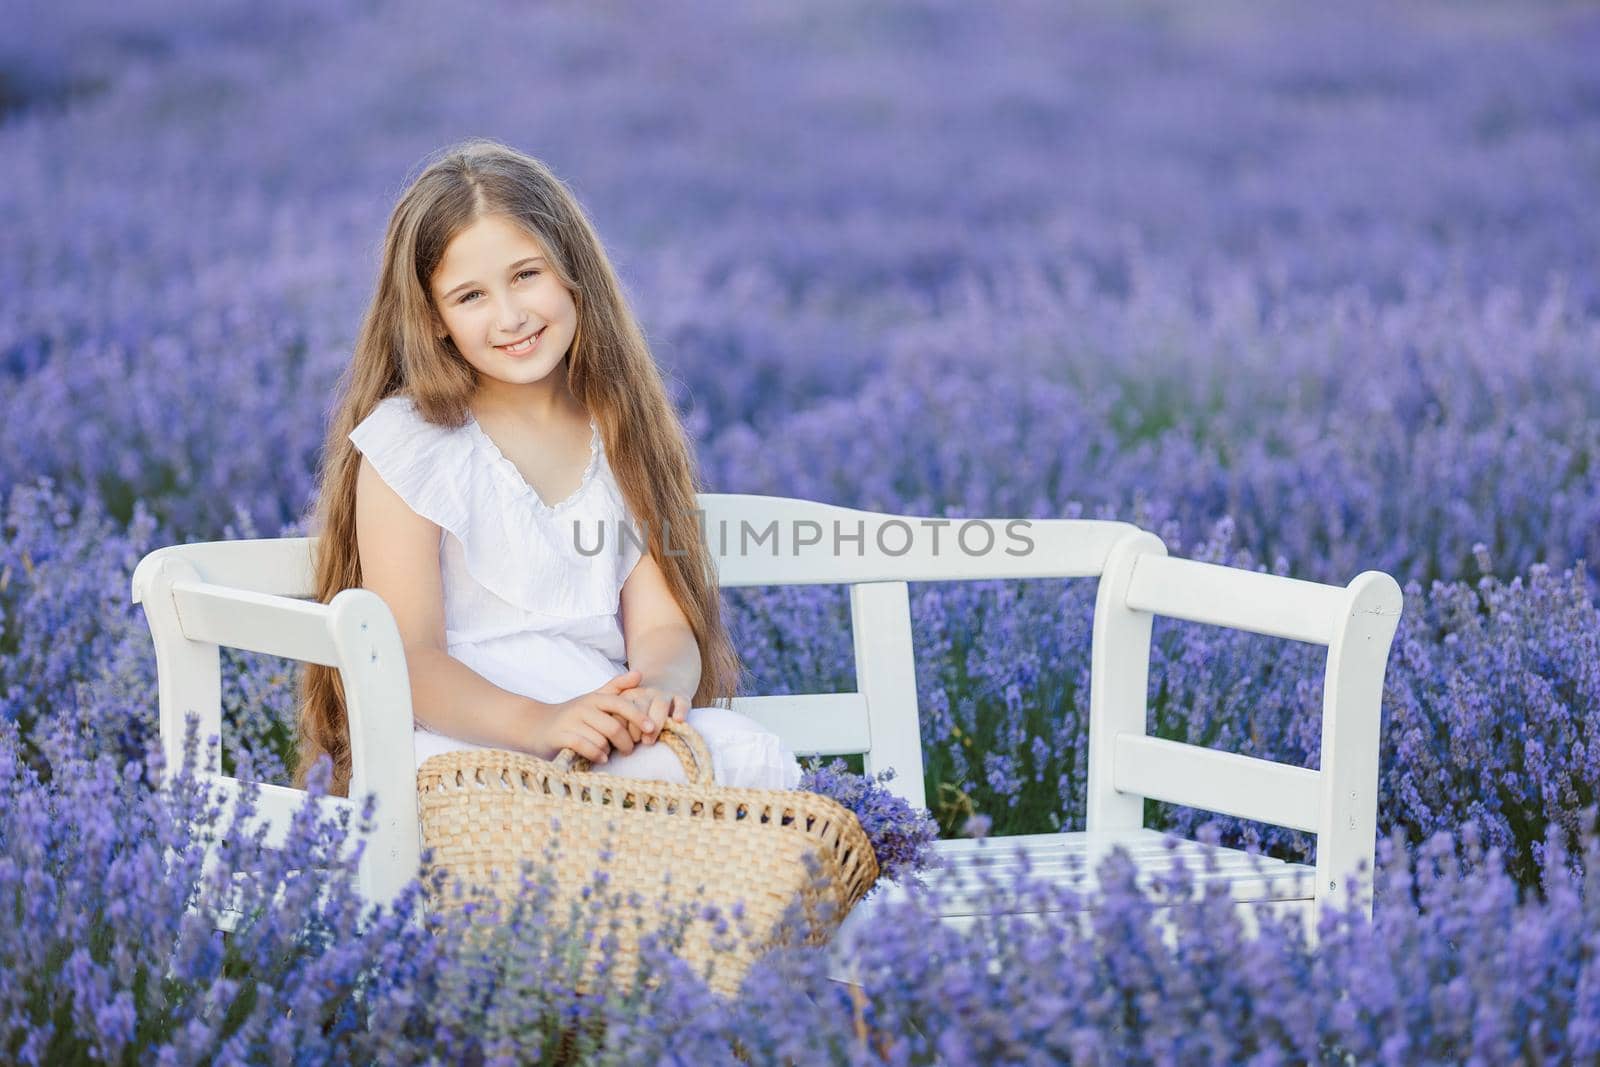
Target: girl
pixel 501 418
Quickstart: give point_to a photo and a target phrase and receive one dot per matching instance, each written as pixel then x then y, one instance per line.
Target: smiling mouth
pixel 519 347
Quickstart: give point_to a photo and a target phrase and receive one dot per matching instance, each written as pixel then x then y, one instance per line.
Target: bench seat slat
pixel 1072 860
pixel 964 898
pixel 1065 862
pixel 1068 870
pixel 1240 890
pixel 1139 840
pixel 1085 919
pixel 1145 846
pixel 957 902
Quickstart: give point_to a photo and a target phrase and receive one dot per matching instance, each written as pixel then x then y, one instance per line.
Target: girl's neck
pixel 538 403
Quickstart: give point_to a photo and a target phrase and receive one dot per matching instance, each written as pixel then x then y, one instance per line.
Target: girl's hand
pixel 655 705
pixel 592 724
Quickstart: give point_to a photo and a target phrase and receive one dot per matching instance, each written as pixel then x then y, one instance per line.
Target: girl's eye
pixel 468 296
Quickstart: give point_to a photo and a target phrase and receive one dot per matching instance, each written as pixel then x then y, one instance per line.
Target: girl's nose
pixel 510 318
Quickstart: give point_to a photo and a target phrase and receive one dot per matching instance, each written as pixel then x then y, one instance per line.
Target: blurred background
pixel 1311 288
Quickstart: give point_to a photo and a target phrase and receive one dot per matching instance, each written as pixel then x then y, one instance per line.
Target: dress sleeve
pixel 630 546
pixel 415 459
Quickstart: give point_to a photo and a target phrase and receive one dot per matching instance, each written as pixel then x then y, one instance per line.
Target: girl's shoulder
pixel 399 412
pixel 424 463
pixel 394 425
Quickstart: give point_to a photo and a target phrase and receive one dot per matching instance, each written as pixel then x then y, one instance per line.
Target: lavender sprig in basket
pixel 902 836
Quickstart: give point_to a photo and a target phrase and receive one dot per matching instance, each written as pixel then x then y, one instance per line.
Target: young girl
pixel 502 416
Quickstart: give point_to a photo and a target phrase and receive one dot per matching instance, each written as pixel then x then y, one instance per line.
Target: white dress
pixel 523 606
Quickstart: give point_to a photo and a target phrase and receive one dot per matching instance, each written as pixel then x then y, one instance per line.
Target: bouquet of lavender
pixel 901 836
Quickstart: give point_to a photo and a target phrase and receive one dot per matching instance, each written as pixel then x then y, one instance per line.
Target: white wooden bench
pixel 254 595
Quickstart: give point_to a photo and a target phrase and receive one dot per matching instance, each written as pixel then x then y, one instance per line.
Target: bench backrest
pixel 201 596
pixel 768 541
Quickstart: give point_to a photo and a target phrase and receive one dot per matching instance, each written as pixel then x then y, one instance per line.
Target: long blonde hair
pixel 610 371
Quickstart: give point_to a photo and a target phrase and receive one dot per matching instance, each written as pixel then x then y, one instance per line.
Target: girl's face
pixel 502 305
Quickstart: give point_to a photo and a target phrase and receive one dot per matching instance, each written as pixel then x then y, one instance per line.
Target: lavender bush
pixel 102 961
pixel 1309 291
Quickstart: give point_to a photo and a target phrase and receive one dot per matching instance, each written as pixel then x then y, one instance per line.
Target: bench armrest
pixel 191 619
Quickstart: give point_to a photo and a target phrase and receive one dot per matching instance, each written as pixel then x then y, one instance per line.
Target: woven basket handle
pixel 685 742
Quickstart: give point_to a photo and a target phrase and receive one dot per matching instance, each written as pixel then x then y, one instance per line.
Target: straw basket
pixel 484 813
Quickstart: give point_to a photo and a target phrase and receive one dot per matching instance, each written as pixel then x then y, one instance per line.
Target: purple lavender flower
pixel 902 836
pixel 1306 291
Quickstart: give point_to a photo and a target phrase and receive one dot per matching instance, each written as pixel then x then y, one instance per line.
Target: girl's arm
pixel 448 697
pixel 657 637
pixel 399 552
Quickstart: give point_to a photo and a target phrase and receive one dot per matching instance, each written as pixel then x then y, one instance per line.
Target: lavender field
pixel 1311 289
